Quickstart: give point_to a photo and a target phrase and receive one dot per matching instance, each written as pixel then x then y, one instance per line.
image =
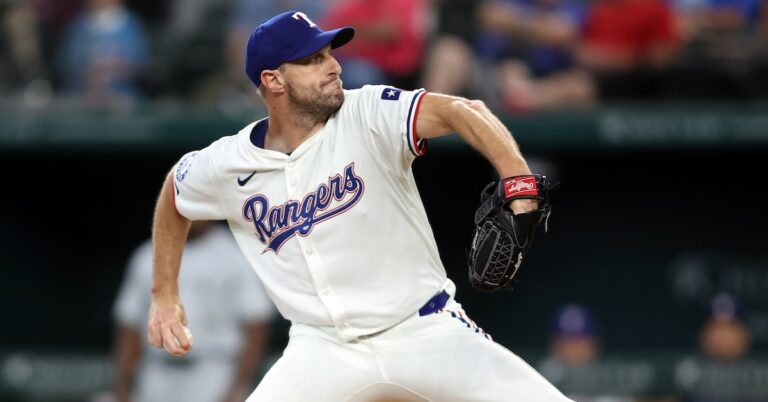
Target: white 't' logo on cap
pixel 301 16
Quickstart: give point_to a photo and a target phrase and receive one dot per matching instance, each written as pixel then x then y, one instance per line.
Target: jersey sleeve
pixel 391 116
pixel 195 188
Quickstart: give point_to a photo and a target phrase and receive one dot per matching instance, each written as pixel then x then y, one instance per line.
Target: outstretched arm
pixel 166 314
pixel 443 114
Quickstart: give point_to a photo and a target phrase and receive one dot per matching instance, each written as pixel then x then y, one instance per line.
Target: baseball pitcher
pixel 322 201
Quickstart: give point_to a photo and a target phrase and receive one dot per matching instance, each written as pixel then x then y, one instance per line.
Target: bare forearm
pixel 482 130
pixel 169 233
pixel 167 320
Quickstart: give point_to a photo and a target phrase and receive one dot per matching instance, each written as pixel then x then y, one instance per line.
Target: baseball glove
pixel 501 238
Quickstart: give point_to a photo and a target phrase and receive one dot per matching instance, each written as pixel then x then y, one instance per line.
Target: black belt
pixel 434 304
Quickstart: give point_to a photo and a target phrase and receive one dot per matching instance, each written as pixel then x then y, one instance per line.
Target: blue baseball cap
pixel 287 37
pixel 726 306
pixel 574 320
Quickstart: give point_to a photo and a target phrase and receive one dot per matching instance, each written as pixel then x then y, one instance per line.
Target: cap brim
pixel 335 37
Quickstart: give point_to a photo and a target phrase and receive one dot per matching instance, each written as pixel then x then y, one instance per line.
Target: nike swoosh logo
pixel 243 182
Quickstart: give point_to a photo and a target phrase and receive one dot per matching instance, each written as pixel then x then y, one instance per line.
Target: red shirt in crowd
pixel 630 29
pixel 390 33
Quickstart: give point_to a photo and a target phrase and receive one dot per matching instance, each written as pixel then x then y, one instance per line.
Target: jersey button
pixel 309 251
pixel 293 182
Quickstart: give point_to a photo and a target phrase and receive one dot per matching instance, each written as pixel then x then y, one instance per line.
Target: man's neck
pixel 287 131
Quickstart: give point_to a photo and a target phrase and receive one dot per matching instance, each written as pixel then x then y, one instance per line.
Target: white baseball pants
pixel 442 357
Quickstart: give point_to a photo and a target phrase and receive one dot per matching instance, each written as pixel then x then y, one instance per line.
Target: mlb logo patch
pixel 391 94
pixel 183 167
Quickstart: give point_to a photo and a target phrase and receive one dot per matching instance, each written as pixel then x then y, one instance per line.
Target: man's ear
pixel 273 81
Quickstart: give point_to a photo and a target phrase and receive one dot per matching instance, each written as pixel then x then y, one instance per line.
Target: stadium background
pixel 661 207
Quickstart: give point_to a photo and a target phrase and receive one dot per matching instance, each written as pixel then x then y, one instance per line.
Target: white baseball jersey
pixel 336 230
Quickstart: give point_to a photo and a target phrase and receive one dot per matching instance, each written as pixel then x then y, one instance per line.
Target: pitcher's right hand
pixel 167 327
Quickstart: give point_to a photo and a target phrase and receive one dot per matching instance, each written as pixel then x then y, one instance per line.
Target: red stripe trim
pixel 420 149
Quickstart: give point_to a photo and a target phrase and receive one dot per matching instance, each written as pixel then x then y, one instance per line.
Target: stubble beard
pixel 314 105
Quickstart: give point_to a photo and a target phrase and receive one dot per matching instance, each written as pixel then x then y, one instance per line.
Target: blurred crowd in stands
pixel 722 369
pixel 517 55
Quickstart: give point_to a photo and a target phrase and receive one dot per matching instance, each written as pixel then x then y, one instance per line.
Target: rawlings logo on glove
pixel 518 186
pixel 501 239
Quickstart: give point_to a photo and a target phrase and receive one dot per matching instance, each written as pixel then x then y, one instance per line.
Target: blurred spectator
pixel 229 88
pixel 574 348
pixel 229 316
pixel 724 337
pixel 103 53
pixel 390 37
pixel 630 45
pixel 451 66
pixel 453 18
pixel 533 41
pixel 54 16
pixel 718 36
pixel 525 55
pixel 574 338
pixel 21 51
pixel 706 17
pixel 723 371
pixel 189 45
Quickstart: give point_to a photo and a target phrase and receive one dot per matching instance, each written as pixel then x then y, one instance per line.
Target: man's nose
pixel 336 67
